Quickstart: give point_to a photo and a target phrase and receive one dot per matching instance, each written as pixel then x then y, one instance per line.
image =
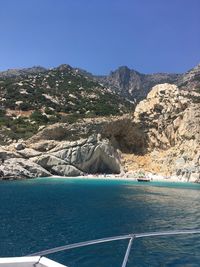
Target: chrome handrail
pixel 131 237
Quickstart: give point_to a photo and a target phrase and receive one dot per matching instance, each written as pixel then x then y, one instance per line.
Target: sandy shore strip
pixel 152 177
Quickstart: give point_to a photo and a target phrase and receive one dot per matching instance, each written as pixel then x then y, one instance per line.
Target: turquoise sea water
pixel 44 213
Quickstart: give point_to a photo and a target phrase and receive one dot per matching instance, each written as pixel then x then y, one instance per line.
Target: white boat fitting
pixel 38 260
pixel 34 261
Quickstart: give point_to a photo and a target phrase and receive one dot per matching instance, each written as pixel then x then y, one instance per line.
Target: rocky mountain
pixel 62 89
pixel 134 85
pixel 160 136
pixel 33 97
pixel 128 83
pixel 22 72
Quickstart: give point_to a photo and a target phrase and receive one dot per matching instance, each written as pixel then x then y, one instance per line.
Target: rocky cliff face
pixel 64 158
pixel 171 123
pixel 161 114
pixel 135 85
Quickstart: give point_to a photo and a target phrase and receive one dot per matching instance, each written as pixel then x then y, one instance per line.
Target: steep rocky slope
pixel 61 89
pixel 135 85
pixel 171 123
pixel 30 98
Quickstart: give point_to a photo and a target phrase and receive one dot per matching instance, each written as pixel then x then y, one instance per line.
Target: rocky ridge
pixel 22 72
pixel 133 84
pixel 36 97
pixel 62 89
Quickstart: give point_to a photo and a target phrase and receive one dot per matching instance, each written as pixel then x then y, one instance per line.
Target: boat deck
pixel 38 260
pixel 32 261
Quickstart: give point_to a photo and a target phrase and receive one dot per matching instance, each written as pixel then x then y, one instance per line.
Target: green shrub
pixel 2 112
pixel 38 117
pixel 49 111
pixel 18 128
pixel 25 106
pixel 72 118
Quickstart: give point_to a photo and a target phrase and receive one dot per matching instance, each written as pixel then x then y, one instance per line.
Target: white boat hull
pixel 35 261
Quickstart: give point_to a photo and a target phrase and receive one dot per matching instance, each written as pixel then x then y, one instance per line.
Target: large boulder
pixel 48 161
pixel 100 159
pixel 64 158
pixel 67 170
pixel 93 156
pixel 18 168
pixel 20 146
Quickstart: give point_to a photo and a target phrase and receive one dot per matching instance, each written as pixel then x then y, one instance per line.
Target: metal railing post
pixel 128 250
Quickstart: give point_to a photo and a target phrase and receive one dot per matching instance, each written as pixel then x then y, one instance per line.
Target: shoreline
pixel 112 177
pixel 153 178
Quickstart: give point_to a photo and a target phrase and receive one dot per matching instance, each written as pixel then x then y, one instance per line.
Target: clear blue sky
pixel 100 35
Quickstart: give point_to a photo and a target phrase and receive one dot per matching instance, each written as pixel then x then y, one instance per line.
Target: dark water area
pixel 45 213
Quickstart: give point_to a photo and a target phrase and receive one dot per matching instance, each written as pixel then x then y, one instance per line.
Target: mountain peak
pixel 64 67
pixel 124 68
